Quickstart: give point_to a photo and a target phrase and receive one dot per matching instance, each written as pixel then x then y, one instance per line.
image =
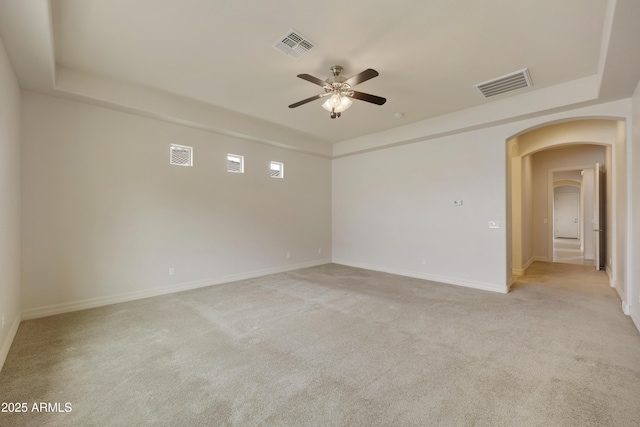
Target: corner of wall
pixel 71 306
pixel 10 208
pixel 473 284
pixel 523 270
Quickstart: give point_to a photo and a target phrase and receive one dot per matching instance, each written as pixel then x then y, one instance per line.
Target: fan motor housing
pixel 335 76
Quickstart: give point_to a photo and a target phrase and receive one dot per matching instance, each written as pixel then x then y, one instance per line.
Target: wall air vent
pixel 510 82
pixel 181 155
pixel 235 163
pixel 294 45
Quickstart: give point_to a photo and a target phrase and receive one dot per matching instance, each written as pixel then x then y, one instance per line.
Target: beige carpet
pixel 568 251
pixel 334 345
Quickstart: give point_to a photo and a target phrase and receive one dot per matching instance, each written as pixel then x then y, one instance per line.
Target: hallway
pixel 567 251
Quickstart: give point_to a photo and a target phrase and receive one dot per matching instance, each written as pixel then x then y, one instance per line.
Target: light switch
pixel 494 224
pixel 457 203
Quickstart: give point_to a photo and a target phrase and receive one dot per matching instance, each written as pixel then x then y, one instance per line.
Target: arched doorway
pixel 530 230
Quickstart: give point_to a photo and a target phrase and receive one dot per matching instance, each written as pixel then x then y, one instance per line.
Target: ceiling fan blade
pixel 367 74
pixel 304 101
pixel 378 100
pixel 313 80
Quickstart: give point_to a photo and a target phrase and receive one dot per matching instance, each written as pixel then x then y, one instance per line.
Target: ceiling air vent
pixel 510 82
pixel 294 45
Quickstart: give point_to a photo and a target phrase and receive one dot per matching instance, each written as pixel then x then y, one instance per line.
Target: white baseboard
pixel 528 264
pixel 521 271
pixel 6 345
pixel 625 308
pixel 612 282
pixel 425 276
pixel 619 290
pixel 50 310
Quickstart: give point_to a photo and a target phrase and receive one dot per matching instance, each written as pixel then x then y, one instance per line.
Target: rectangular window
pixel 235 163
pixel 181 155
pixel 277 170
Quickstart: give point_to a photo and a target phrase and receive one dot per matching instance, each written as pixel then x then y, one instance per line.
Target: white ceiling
pixel 429 53
pixel 219 53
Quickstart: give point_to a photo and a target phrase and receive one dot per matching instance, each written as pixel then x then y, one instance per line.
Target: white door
pixel 598 218
pixel 567 214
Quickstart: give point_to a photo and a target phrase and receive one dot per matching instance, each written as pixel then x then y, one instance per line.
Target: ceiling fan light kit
pixel 337 103
pixel 339 90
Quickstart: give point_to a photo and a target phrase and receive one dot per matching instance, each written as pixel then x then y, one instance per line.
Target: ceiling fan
pixel 339 90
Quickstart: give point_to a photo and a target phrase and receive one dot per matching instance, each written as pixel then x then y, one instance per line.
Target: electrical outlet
pixel 172 271
pixel 319 251
pixel 494 224
pixel 424 261
pixel 2 320
pixel 288 255
pixel 457 203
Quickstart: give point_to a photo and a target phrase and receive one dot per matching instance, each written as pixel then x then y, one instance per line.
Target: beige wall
pixel 393 210
pixel 105 215
pixel 520 209
pixel 588 200
pixel 619 214
pixel 527 210
pixel 10 203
